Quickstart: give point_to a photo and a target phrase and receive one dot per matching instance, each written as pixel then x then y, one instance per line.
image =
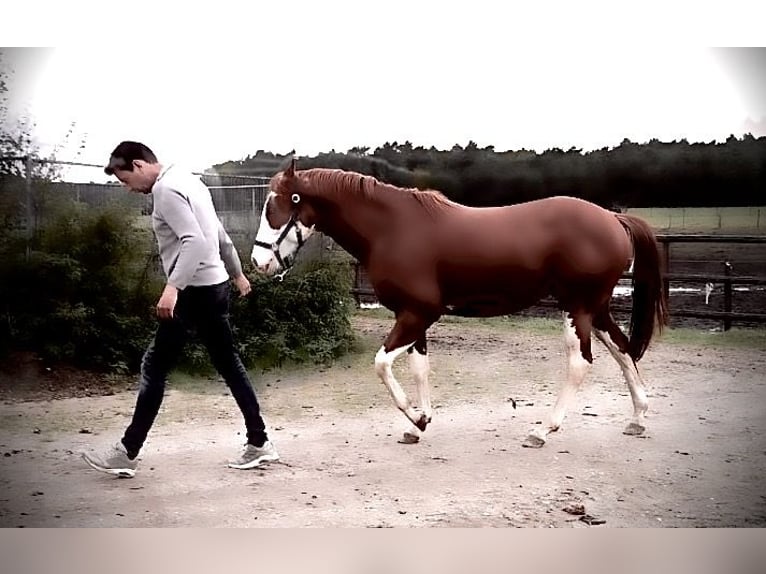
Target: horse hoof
pixel 422 422
pixel 533 441
pixel 634 429
pixel 409 438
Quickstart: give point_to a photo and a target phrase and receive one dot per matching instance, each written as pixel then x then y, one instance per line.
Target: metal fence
pixel 704 219
pixel 238 199
pixel 744 308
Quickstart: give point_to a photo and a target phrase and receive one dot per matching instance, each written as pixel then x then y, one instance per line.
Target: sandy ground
pixel 701 463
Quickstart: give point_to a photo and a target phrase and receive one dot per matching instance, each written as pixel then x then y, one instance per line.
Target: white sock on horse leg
pixel 633 380
pixel 383 362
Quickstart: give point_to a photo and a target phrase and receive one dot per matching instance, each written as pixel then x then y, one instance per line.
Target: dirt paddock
pixel 701 463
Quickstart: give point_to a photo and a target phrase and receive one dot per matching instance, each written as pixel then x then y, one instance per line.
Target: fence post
pixel 666 266
pixel 30 210
pixel 727 291
pixel 357 283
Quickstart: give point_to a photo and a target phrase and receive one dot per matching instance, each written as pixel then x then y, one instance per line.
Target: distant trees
pixel 652 174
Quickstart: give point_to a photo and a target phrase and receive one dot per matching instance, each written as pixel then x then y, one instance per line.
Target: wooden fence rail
pixel 728 316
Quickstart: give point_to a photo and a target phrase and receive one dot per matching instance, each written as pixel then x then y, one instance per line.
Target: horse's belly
pixel 492 302
pixel 485 308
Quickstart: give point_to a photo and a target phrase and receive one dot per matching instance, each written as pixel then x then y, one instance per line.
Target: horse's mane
pixel 339 182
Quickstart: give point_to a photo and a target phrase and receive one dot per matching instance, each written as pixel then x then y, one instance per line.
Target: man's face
pixel 141 178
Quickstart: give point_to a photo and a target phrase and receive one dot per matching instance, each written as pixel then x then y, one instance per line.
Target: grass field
pixel 553 325
pixel 734 220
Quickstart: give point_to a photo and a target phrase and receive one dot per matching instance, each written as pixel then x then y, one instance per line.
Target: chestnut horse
pixel 427 256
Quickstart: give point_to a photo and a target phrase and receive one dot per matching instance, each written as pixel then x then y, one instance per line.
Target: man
pixel 198 258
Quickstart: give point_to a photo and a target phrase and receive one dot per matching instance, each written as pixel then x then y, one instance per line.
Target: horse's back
pixel 502 259
pixel 575 230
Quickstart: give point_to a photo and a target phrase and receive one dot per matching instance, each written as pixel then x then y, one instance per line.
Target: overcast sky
pixel 334 79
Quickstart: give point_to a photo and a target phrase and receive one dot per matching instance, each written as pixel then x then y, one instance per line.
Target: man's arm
pixel 231 261
pixel 228 252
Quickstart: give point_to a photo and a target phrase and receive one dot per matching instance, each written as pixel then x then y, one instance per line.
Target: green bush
pixel 83 296
pixel 305 318
pixel 86 296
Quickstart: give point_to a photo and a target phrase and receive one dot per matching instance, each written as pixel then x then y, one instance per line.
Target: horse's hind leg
pixel 614 339
pixel 579 359
pixel 419 367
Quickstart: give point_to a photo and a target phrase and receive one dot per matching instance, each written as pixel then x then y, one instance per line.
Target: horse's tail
pixel 650 305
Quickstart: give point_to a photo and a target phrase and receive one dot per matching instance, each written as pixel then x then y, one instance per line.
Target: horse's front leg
pixel 409 329
pixel 419 367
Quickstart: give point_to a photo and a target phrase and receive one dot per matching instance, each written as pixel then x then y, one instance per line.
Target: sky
pixel 342 75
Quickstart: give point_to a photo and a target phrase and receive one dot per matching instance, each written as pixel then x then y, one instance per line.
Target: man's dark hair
pixel 125 153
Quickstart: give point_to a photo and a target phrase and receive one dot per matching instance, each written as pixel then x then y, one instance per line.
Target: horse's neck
pixel 352 225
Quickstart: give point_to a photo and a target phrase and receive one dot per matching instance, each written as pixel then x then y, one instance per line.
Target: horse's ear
pixel 290 171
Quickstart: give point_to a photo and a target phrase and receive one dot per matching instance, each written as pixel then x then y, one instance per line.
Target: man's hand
pixel 167 302
pixel 243 285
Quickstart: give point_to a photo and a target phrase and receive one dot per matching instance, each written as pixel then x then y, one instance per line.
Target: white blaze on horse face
pixel 264 259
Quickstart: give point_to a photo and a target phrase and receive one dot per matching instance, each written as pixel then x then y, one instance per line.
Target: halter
pixel 287 262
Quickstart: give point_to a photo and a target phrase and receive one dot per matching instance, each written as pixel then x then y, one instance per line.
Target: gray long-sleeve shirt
pixel 194 247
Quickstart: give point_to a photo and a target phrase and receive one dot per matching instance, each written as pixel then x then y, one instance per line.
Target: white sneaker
pixel 113 461
pixel 253 456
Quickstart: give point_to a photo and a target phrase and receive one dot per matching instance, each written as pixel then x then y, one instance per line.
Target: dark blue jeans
pixel 205 310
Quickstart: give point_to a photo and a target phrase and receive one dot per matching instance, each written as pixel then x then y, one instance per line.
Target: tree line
pixel 651 174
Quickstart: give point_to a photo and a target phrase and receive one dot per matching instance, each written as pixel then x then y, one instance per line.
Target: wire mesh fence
pixel 31 189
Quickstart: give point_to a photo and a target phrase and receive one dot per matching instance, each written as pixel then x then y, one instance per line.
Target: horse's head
pixel 286 223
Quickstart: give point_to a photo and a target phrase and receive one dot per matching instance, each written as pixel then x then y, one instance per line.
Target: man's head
pixel 135 165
